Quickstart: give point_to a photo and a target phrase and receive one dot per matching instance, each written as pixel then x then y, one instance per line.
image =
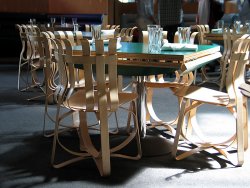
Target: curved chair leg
pixel 151 114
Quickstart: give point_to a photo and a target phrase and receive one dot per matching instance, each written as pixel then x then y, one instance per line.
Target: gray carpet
pixel 25 153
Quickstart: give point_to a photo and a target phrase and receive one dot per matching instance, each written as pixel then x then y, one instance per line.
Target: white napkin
pixel 216 30
pixel 105 34
pixel 179 47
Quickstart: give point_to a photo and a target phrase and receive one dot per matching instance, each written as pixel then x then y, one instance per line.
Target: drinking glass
pixel 154 38
pixel 247 24
pixel 184 35
pixel 34 21
pixel 237 24
pixel 74 21
pixel 96 32
pixel 52 21
pixel 62 21
pixel 31 21
pixel 76 27
pixel 220 25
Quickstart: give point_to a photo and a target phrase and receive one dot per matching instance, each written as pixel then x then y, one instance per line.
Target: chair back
pixel 79 37
pixel 95 65
pixel 236 71
pixel 201 29
pixel 70 37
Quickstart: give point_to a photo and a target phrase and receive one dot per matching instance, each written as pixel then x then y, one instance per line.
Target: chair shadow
pixel 27 156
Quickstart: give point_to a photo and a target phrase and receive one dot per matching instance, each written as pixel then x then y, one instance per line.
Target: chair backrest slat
pixel 96 65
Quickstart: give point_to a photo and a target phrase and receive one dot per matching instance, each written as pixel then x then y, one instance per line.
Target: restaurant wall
pixel 78 6
pixel 54 6
pixel 23 6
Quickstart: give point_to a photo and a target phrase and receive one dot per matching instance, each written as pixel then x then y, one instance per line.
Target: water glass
pixel 184 35
pixel 74 21
pixel 52 21
pixel 76 27
pixel 247 24
pixel 62 21
pixel 220 25
pixel 96 32
pixel 154 38
pixel 32 21
pixel 237 24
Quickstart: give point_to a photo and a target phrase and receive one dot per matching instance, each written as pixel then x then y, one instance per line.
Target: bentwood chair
pixel 228 39
pixel 36 65
pixel 25 55
pixel 153 82
pixel 51 79
pixel 99 98
pixel 191 136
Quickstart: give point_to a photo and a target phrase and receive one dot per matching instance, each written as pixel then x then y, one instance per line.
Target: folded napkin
pixel 179 47
pixel 216 30
pixel 106 34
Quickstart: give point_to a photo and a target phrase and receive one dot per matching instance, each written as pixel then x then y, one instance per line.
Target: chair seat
pixel 205 95
pixel 78 101
pixel 37 64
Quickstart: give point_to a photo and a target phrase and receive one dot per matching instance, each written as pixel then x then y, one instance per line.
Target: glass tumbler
pixel 154 37
pixel 184 35
pixel 247 24
pixel 237 24
pixel 96 32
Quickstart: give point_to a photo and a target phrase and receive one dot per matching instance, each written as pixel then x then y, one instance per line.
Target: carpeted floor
pixel 25 153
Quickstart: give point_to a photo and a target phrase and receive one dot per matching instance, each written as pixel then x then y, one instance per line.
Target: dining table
pixel 134 59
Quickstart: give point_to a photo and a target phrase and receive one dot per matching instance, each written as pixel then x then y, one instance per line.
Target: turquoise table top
pixel 139 51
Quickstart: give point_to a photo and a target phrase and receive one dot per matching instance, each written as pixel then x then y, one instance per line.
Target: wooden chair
pixel 153 82
pixel 79 37
pixel 35 65
pixel 201 29
pixel 126 35
pixel 233 100
pixel 70 37
pixel 25 55
pixel 228 39
pixel 101 99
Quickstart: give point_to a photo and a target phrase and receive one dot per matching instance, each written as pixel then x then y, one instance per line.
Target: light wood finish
pixel 102 100
pixel 79 37
pixel 25 55
pixel 228 38
pixel 135 56
pixel 34 63
pixel 233 100
pixel 126 34
pixel 112 27
pixel 202 29
pixel 51 78
pixel 158 81
pixel 70 37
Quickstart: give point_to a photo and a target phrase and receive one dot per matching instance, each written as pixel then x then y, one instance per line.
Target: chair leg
pixel 240 133
pixel 245 113
pixel 102 158
pixel 179 127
